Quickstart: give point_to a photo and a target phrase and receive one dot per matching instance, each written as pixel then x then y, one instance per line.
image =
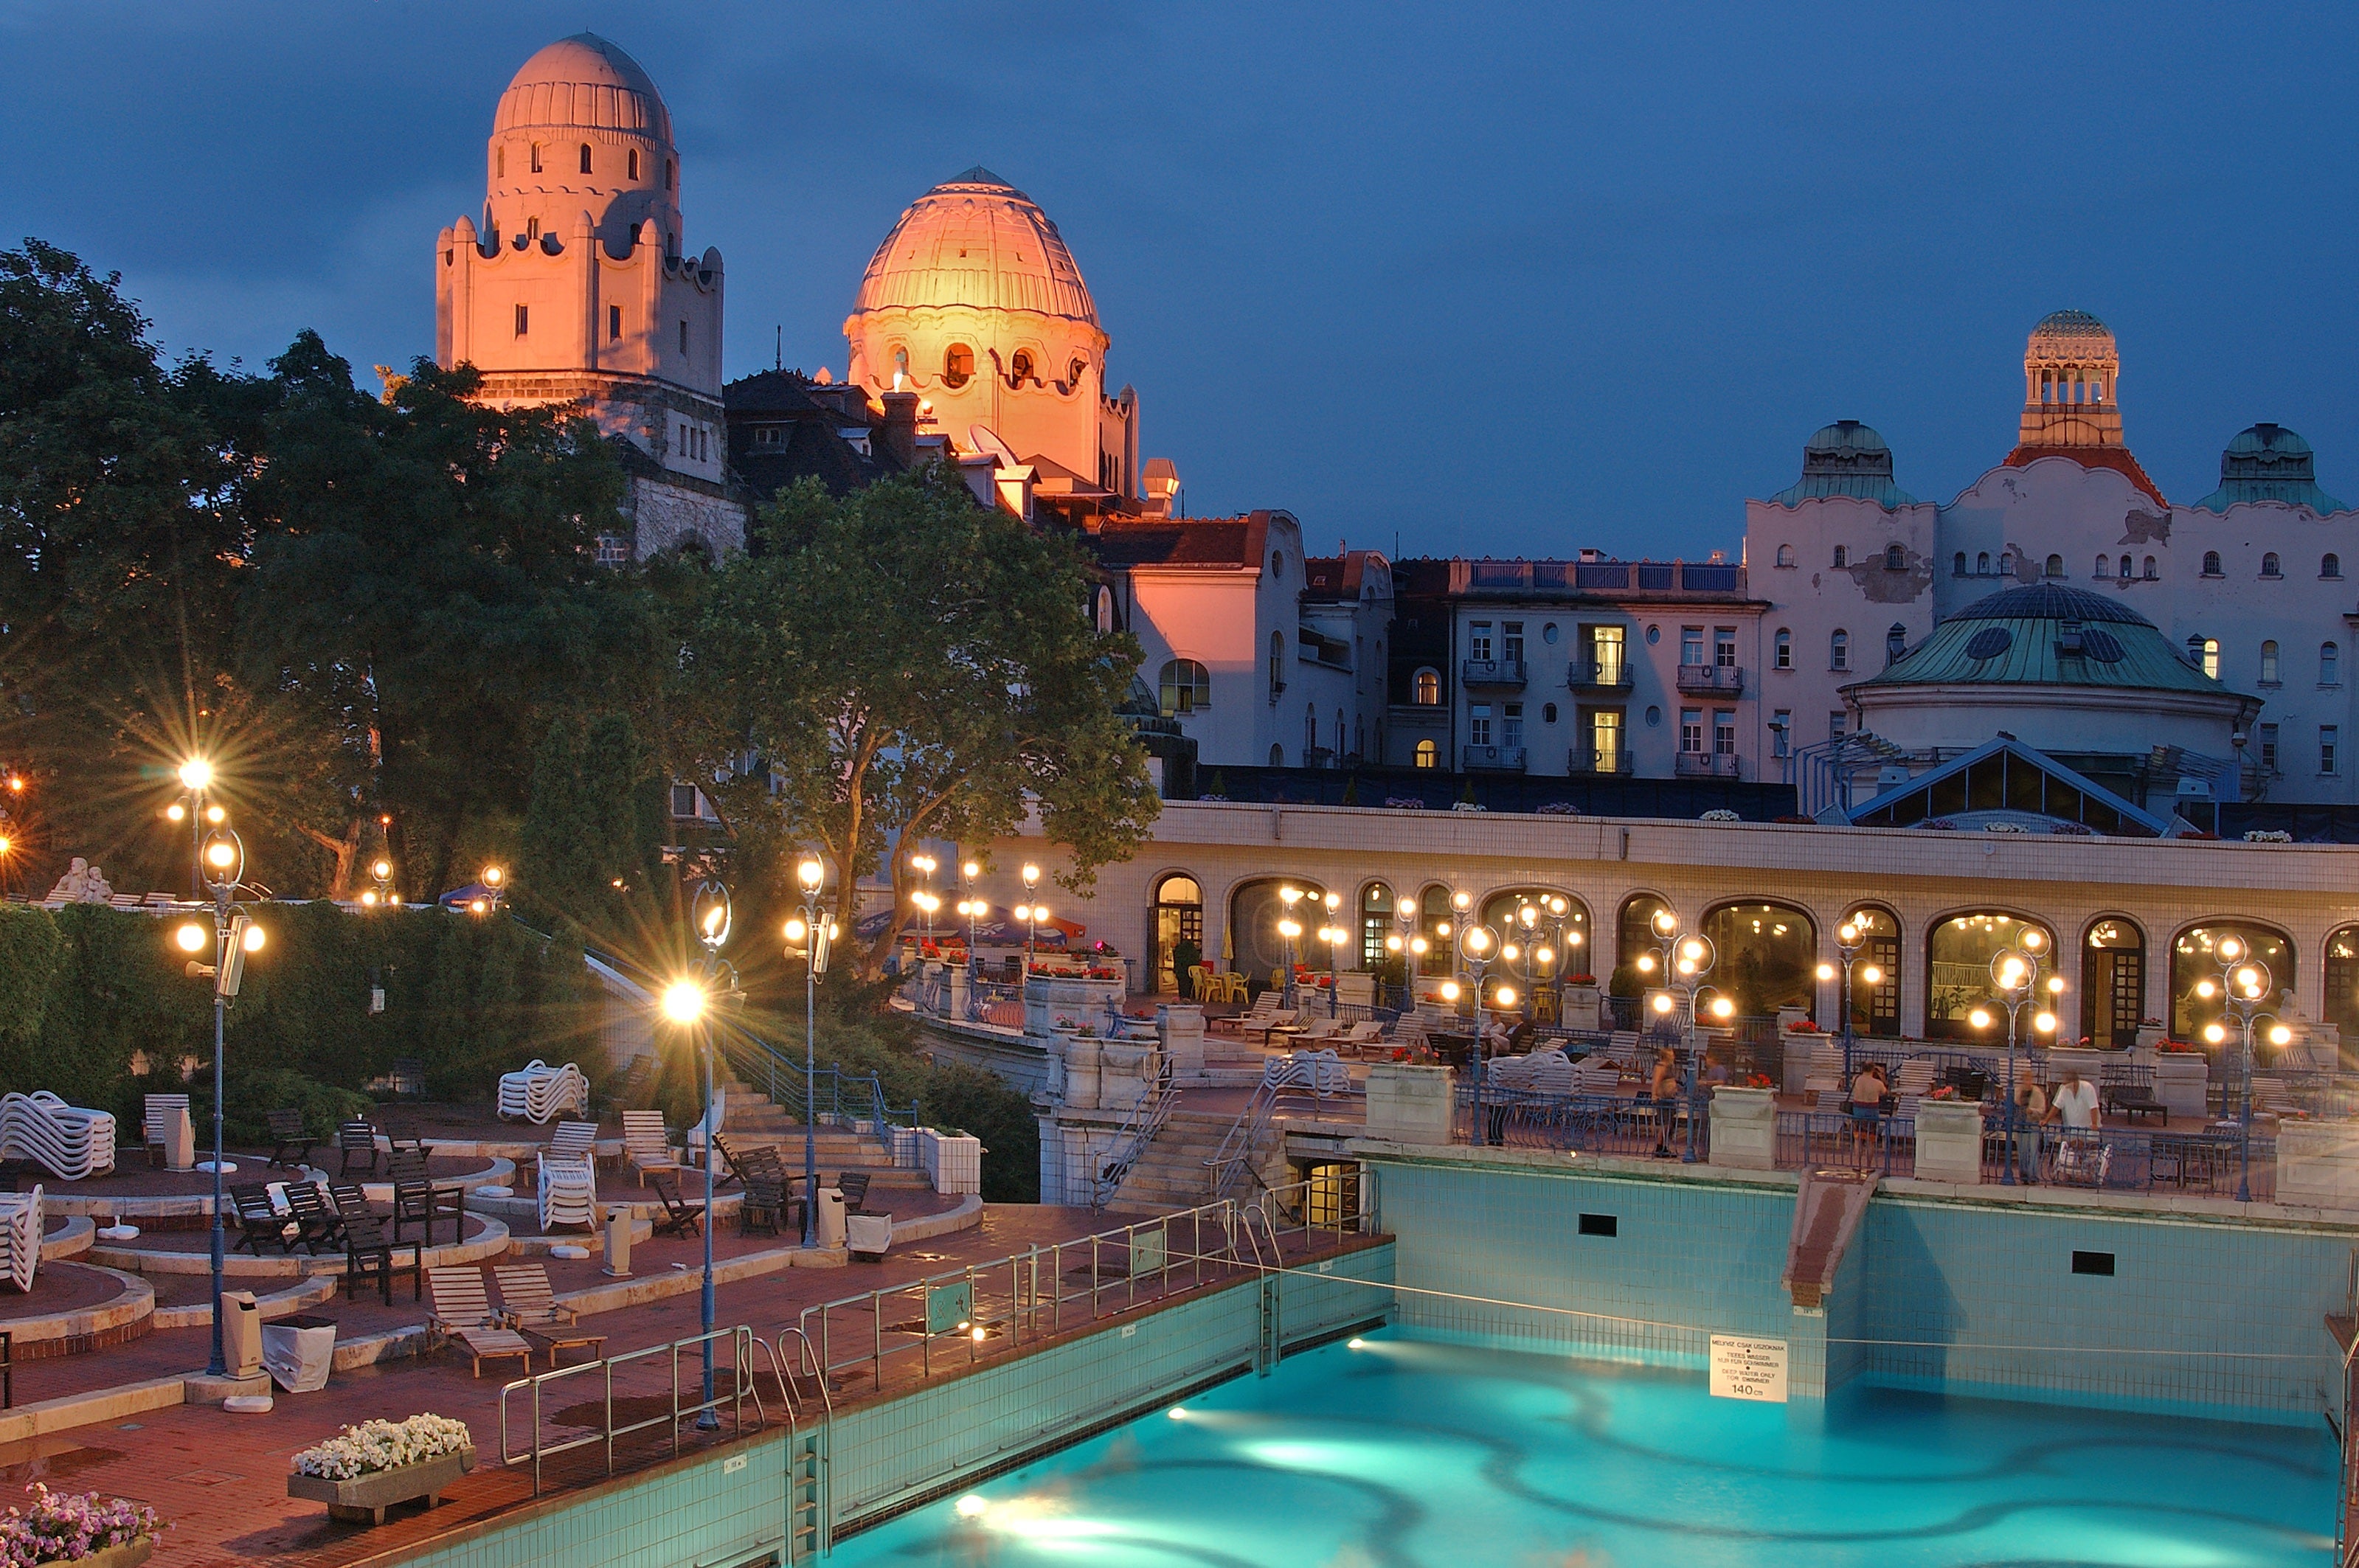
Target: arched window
pixel 1257 946
pixel 1429 756
pixel 2204 652
pixel 536 158
pixel 2343 989
pixel 1339 733
pixel 2210 562
pixel 1981 564
pixel 2104 566
pixel 2195 958
pixel 1896 559
pixel 1896 642
pixel 2270 662
pixel 1559 923
pixel 585 157
pixel 2153 572
pixel 500 162
pixel 2270 566
pixel 1435 922
pixel 1185 686
pixel 2006 563
pixel 1277 664
pixel 2330 665
pixel 1075 371
pixel 671 172
pixel 958 365
pixel 2126 572
pixel 635 163
pixel 1375 925
pixel 1839 651
pixel 1958 564
pixel 1277 566
pixel 1763 955
pixel 1785 555
pixel 2113 984
pixel 1842 558
pixel 1019 365
pixel 2055 566
pixel 1635 937
pixel 1874 1004
pixel 2329 565
pixel 1428 688
pixel 1958 954
pixel 1781 650
pixel 1276 755
pixel 1178 917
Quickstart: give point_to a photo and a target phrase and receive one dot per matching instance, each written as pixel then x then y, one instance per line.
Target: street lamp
pixel 2015 985
pixel 1851 939
pixel 1031 915
pixel 221 862
pixel 686 1001
pixel 973 908
pixel 810 934
pixel 1288 896
pixel 2243 987
pixel 1477 947
pixel 196 777
pixel 1683 961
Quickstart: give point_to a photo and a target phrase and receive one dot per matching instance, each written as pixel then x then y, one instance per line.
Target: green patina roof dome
pixel 2269 462
pixel 2070 324
pixel 2048 635
pixel 1846 458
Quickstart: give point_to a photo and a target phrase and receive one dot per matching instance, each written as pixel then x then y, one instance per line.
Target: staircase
pixel 1172 1172
pixel 750 1118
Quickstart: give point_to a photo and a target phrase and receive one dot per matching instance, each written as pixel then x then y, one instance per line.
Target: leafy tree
pixel 426 588
pixel 591 845
pixel 908 665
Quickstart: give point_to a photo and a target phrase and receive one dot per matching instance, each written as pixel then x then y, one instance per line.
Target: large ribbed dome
pixel 583 83
pixel 2070 326
pixel 2050 601
pixel 975 241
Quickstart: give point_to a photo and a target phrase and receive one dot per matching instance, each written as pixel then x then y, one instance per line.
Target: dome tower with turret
pixel 974 304
pixel 576 287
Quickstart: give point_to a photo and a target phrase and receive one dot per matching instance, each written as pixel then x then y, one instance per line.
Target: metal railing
pixel 740 1389
pixel 1589 1124
pixel 960 1317
pixel 1137 1132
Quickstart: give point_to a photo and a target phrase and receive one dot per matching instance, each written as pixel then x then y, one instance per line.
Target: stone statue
pixel 83 883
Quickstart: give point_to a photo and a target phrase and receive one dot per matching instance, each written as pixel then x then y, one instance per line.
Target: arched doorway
pixel 1765 953
pixel 2343 989
pixel 1634 934
pixel 1958 954
pixel 2112 983
pixel 1255 946
pixel 1376 907
pixel 1876 1009
pixel 1434 923
pixel 2194 957
pixel 1179 921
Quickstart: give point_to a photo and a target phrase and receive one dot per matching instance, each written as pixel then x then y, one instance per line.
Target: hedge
pixel 87 992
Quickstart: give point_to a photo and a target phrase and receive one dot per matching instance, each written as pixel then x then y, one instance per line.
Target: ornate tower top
pixel 581 128
pixel 2070 368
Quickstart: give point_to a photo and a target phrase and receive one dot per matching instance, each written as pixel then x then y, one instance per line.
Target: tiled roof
pixel 2118 458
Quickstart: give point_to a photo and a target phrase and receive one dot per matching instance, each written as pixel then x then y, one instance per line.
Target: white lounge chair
pixel 69 1142
pixel 20 1237
pixel 569 1193
pixel 538 1092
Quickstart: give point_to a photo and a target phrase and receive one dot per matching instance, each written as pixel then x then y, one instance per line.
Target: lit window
pixel 1429 687
pixel 1429 756
pixel 958 367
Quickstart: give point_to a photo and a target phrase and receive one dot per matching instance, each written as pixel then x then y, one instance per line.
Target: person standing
pixel 2076 1101
pixel 2030 1111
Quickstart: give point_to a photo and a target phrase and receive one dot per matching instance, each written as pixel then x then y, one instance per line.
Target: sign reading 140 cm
pixel 1748 1369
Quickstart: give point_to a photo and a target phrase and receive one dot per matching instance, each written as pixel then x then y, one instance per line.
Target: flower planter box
pixel 130 1554
pixel 364 1499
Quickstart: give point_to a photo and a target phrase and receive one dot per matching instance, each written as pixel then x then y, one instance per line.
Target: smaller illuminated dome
pixel 2070 331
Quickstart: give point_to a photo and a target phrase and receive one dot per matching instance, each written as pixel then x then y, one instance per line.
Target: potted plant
pixel 60 1527
pixel 365 1469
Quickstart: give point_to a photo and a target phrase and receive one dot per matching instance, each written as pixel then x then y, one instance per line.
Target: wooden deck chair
pixel 357 1139
pixel 572 1140
pixel 681 1218
pixel 461 1310
pixel 532 1309
pixel 647 1142
pixel 290 1142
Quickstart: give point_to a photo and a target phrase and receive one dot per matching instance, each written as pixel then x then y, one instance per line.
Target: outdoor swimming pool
pixel 1408 1454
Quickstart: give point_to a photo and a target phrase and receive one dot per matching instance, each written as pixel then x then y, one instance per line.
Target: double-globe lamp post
pixel 1683 960
pixel 220 859
pixel 1851 937
pixel 2245 988
pixel 687 1002
pixel 1031 912
pixel 810 934
pixel 2015 985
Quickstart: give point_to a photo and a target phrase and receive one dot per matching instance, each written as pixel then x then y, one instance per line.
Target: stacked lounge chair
pixel 69 1143
pixel 569 1193
pixel 538 1092
pixel 20 1237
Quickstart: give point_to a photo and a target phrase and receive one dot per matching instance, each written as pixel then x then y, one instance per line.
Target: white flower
pixel 377 1445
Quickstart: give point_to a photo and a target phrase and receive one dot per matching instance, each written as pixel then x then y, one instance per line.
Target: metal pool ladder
pixel 810 1505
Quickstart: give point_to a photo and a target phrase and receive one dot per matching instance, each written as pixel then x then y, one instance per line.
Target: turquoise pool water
pixel 1405 1453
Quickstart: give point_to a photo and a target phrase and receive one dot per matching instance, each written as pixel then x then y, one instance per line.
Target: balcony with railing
pixel 1588 762
pixel 1712 680
pixel 1599 674
pixel 1706 765
pixel 1495 673
pixel 1491 758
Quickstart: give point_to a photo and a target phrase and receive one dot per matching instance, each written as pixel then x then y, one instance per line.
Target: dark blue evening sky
pixel 1495 280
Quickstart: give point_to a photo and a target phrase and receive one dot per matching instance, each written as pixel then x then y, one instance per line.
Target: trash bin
pixel 299 1352
pixel 831 1216
pixel 618 1241
pixel 241 1334
pixel 868 1236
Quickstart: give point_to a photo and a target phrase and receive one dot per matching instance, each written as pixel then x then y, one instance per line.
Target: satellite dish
pixel 983 441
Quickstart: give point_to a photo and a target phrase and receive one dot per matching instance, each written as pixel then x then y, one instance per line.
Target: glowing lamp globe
pixel 683 1001
pixel 192 937
pixel 196 774
pixel 2214 1033
pixel 1505 996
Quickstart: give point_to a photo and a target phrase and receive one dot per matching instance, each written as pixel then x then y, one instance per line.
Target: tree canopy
pixel 902 664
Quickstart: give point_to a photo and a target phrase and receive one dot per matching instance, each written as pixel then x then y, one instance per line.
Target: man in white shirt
pixel 2076 1100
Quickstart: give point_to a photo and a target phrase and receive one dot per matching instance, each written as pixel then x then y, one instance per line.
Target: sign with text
pixel 1748 1369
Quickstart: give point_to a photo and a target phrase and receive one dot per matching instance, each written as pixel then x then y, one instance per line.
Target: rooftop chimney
pixel 899 432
